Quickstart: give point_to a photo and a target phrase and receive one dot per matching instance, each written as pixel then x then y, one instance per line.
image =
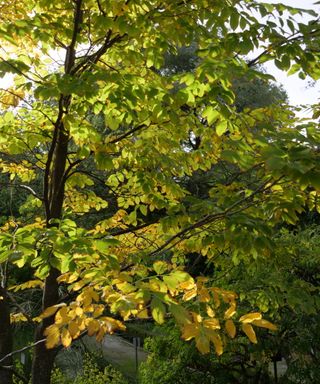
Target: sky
pixel 299 91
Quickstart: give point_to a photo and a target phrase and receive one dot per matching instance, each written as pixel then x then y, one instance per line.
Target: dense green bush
pixel 91 373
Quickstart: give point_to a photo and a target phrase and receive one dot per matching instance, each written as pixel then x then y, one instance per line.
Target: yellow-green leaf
pixel 202 343
pixel 158 310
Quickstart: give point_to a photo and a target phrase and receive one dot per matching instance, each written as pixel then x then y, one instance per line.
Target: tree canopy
pixel 104 143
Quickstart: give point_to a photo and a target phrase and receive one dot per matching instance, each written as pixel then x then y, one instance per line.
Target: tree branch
pixel 213 217
pixel 70 53
pixel 21 350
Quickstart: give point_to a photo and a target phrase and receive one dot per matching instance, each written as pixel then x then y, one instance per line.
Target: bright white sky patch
pixel 298 90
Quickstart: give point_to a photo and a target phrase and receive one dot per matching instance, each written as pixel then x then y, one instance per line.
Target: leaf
pixel 52 336
pixel 230 328
pixel 189 331
pixel 158 310
pixel 211 324
pixel 143 314
pixel 180 314
pixel 221 127
pixel 190 294
pixel 66 338
pixel 217 342
pixel 160 267
pixel 265 324
pixel 176 278
pixel 250 317
pixel 210 114
pixel 51 310
pixel 93 326
pixel 62 317
pixel 202 343
pixel 73 329
pixel 230 311
pixel 249 331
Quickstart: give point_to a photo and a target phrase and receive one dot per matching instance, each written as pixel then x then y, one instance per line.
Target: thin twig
pixel 21 350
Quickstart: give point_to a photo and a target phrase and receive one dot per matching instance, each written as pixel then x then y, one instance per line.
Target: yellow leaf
pixel 81 323
pixel 230 311
pixel 190 295
pixel 197 318
pixel 126 287
pixel 143 314
pixel 211 324
pixel 62 316
pixel 112 325
pixel 93 326
pixel 78 285
pixel 216 299
pixel 53 336
pixel 78 311
pixel 73 329
pixel 250 317
pixel 98 311
pixel 100 334
pixel 189 331
pixel 66 338
pixel 265 324
pixel 160 267
pixel 230 328
pixel 249 331
pixel 203 344
pixel 16 317
pixel 217 342
pixel 68 278
pixel 50 310
pixel 210 311
pixel 204 296
pixel 189 284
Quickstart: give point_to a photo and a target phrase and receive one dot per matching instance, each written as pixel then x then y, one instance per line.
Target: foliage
pixel 171 360
pixel 97 273
pixel 91 374
pixel 288 293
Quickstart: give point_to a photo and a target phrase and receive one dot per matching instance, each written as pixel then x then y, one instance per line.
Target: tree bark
pixel 43 359
pixel 5 338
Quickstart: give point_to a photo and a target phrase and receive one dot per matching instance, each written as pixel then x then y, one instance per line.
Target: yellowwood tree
pixel 89 105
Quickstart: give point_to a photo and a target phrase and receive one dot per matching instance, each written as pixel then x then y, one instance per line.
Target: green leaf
pixel 210 114
pixel 158 310
pixel 221 127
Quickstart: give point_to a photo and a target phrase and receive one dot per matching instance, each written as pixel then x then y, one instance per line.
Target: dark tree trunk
pixel 5 338
pixel 43 359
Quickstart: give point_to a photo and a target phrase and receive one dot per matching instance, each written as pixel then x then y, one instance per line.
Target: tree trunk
pixel 43 359
pixel 5 338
